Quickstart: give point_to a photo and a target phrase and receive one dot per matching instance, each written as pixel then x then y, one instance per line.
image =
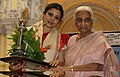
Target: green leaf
pixel 29 44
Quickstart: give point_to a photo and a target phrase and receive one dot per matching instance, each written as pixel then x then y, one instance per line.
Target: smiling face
pixel 52 17
pixel 83 21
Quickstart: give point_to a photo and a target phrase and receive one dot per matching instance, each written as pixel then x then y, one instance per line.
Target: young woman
pixel 52 41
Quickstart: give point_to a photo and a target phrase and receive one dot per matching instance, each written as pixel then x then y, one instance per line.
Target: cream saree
pixel 53 39
pixel 92 49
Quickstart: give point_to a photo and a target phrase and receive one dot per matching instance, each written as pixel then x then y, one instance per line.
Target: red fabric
pixel 63 39
pixel 44 36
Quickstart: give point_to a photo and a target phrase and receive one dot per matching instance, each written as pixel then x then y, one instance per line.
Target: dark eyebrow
pixel 53 13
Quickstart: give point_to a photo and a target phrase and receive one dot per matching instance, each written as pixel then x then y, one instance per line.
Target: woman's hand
pixel 56 63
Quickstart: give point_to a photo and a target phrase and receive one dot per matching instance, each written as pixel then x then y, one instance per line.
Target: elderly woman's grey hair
pixel 87 8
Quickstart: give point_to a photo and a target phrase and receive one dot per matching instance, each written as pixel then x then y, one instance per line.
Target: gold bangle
pixel 71 67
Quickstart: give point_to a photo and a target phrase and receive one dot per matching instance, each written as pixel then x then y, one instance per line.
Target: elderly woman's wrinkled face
pixel 83 21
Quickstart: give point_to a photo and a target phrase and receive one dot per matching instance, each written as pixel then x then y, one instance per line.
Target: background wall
pixel 107 14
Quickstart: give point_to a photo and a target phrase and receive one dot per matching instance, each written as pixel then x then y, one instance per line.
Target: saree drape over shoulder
pixel 53 38
pixel 91 49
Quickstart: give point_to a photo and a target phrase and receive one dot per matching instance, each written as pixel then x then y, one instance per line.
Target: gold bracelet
pixel 71 67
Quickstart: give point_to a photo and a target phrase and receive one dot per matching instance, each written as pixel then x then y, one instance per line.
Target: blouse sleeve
pixel 63 40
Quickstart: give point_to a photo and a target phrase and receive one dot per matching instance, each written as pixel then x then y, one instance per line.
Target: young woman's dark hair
pixel 56 6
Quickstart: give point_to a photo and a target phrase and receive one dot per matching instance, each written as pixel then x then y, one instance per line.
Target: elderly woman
pixel 88 53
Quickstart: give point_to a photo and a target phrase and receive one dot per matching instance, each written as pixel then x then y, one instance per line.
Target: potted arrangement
pixel 24 40
pixel 26 48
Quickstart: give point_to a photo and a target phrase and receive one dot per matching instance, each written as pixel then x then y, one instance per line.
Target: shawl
pixel 53 39
pixel 93 48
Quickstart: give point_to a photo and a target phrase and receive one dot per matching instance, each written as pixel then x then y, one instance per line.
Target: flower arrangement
pixel 30 45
